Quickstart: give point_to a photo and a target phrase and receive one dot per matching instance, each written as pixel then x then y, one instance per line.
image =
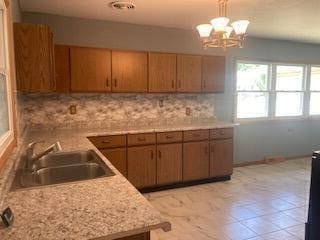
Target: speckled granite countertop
pixel 106 208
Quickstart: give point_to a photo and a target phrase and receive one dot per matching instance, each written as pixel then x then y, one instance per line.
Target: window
pixel 289 90
pixel 314 91
pixel 6 130
pixel 266 90
pixel 252 90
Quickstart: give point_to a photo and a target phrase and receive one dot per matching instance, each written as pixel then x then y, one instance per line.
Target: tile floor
pixel 261 202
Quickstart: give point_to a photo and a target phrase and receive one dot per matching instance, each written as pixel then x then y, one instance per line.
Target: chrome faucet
pixel 32 157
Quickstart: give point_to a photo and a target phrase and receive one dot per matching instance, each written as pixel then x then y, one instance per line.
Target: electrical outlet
pixel 188 111
pixel 73 109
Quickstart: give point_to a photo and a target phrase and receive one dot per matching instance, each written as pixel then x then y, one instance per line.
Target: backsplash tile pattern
pixel 98 110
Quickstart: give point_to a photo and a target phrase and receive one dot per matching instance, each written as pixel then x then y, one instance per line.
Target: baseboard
pixel 264 161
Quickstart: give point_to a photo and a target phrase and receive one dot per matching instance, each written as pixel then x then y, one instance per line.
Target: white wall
pixel 252 142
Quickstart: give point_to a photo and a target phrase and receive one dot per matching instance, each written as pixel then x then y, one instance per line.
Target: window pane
pixel 289 78
pixel 315 79
pixel 2 49
pixel 252 105
pixel 315 104
pixel 252 77
pixel 4 116
pixel 289 104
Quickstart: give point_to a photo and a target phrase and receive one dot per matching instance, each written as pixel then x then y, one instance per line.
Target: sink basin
pixel 64 158
pixel 60 168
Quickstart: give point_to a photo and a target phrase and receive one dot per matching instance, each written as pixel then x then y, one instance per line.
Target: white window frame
pixel 8 137
pixel 273 92
pixel 313 116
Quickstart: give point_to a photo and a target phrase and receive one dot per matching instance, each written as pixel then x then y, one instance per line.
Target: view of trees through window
pixel 270 90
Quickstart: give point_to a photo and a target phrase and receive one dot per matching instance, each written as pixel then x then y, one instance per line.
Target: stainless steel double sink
pixel 61 167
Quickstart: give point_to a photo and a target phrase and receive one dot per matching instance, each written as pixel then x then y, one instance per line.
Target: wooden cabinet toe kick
pixel 184 184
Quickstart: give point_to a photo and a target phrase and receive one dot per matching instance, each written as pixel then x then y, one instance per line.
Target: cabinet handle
pixel 172 83
pixel 107 82
pixel 196 135
pixel 151 154
pixel 160 154
pixel 115 82
pixel 141 139
pixel 105 141
pixel 169 137
pixel 179 84
pixel 206 150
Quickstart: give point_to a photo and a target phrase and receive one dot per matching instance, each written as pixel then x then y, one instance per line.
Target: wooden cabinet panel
pixel 195 160
pixel 189 73
pixel 118 157
pixel 108 141
pixel 90 69
pixel 169 137
pixel 195 135
pixel 162 72
pixel 129 71
pixel 142 166
pixel 141 139
pixel 221 133
pixel 62 68
pixel 213 73
pixel 142 236
pixel 169 163
pixel 34 57
pixel 221 157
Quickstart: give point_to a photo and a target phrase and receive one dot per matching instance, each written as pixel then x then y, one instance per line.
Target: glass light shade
pixel 228 30
pixel 240 27
pixel 204 30
pixel 220 24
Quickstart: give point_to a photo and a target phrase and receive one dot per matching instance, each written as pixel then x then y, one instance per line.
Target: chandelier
pixel 219 34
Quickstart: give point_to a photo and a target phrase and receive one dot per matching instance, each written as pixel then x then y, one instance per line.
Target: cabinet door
pixel 129 71
pixel 162 72
pixel 213 74
pixel 62 68
pixel 118 157
pixel 195 160
pixel 142 166
pixel 90 69
pixel 189 73
pixel 34 57
pixel 221 157
pixel 169 163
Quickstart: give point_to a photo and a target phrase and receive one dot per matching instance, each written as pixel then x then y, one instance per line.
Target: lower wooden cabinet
pixel 118 157
pixel 195 160
pixel 221 157
pixel 142 166
pixel 169 163
pixel 142 236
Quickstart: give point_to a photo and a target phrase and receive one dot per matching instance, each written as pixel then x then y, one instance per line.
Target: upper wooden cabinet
pixel 213 73
pixel 34 57
pixel 162 72
pixel 129 71
pixel 90 69
pixel 62 68
pixel 189 73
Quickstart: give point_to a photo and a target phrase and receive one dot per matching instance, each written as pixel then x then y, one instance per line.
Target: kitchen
pixel 150 135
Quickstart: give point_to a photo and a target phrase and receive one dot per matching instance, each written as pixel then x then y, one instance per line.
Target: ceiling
pixel 296 20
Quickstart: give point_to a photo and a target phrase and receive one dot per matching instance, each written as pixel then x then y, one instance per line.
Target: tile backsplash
pixel 98 110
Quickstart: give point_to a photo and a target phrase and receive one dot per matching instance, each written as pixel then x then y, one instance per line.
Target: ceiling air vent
pixel 120 5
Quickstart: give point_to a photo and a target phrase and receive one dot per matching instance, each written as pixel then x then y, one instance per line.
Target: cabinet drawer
pixel 195 135
pixel 221 133
pixel 109 141
pixel 141 139
pixel 169 137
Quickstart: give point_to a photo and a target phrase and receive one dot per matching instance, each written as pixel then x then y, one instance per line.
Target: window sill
pixel 276 120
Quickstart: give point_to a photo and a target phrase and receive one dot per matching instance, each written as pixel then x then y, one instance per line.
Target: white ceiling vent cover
pixel 122 5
